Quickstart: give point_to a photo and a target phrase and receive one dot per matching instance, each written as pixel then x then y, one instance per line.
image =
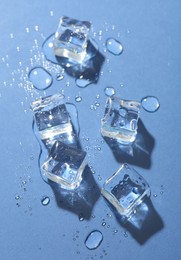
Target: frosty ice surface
pixel 120 119
pixel 125 190
pixel 71 39
pixel 65 165
pixel 53 120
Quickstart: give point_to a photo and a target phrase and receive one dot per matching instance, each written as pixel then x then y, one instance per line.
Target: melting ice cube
pixel 120 119
pixel 125 190
pixel 65 165
pixel 53 121
pixel 71 39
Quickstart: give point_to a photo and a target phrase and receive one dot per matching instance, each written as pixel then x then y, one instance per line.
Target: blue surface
pixel 149 65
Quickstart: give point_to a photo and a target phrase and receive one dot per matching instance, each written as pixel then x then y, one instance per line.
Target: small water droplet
pixel 27 30
pixel 115 231
pixel 59 77
pixel 155 195
pixel 81 218
pixel 40 78
pixel 78 98
pixel 114 46
pixel 17 197
pixel 109 91
pixel 11 35
pixel 36 28
pixel 94 240
pixel 51 13
pixel 150 104
pixel 125 234
pixel 45 201
pixel 103 224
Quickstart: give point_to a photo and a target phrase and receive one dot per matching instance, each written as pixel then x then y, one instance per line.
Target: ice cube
pixel 71 39
pixel 65 165
pixel 125 190
pixel 120 119
pixel 53 121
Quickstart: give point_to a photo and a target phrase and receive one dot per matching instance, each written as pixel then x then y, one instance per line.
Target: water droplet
pixel 36 28
pixel 150 104
pixel 51 13
pixel 17 197
pixel 155 195
pixel 109 91
pixel 81 218
pixel 94 240
pixel 78 98
pixel 45 201
pixel 103 224
pixel 27 30
pixel 82 83
pixel 59 77
pixel 11 35
pixel 115 231
pixel 114 46
pixel 122 112
pixel 125 234
pixel 40 78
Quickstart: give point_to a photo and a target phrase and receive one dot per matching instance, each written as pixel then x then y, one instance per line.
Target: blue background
pixel 150 65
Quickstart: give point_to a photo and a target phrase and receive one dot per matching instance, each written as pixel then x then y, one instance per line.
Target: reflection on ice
pixel 71 39
pixel 81 200
pixel 65 165
pixel 127 194
pixel 125 190
pixel 88 69
pixel 137 153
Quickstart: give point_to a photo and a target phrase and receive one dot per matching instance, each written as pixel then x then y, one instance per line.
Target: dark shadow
pixel 89 69
pixel 81 200
pixel 139 152
pixel 143 223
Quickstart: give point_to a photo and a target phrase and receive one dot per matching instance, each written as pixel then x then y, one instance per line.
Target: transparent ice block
pixel 125 190
pixel 65 165
pixel 53 121
pixel 71 39
pixel 120 119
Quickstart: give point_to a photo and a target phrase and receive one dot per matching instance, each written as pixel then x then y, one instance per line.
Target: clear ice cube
pixel 53 121
pixel 65 165
pixel 120 119
pixel 125 190
pixel 71 39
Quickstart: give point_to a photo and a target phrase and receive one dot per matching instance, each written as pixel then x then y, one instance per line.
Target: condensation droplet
pixel 40 78
pixel 59 77
pixel 81 218
pixel 150 104
pixel 94 240
pixel 17 197
pixel 78 98
pixel 36 28
pixel 45 200
pixel 82 83
pixel 114 46
pixel 109 91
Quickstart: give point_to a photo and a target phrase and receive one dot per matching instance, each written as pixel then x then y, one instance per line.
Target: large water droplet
pixel 109 91
pixel 48 49
pixel 150 103
pixel 114 46
pixel 45 201
pixel 82 83
pixel 94 240
pixel 40 78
